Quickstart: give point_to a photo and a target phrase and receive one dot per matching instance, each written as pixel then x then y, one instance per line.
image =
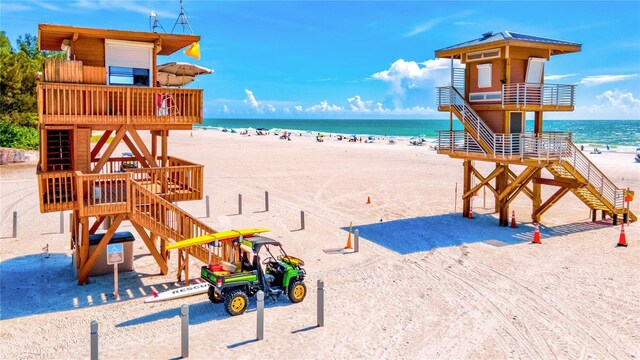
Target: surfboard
pixel 219 236
pixel 178 293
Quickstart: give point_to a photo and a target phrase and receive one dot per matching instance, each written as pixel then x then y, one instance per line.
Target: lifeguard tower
pixel 500 78
pixel 106 90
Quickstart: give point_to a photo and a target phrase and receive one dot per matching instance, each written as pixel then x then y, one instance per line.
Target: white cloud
pixel 125 5
pixel 557 77
pixel 225 109
pixel 271 108
pixel 404 75
pixel 620 100
pixel 298 108
pixel 357 104
pixel 323 107
pixel 603 79
pixel 251 101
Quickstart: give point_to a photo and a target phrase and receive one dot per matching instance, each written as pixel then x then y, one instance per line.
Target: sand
pixel 427 283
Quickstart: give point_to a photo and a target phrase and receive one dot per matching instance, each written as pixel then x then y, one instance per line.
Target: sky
pixel 360 59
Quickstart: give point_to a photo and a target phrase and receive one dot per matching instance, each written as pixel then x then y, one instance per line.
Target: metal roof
pixel 507 35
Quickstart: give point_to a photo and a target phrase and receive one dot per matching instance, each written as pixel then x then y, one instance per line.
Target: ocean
pixel 588 132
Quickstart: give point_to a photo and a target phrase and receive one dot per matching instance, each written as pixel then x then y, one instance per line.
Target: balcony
pixel 107 192
pixel 547 146
pixel 101 105
pixel 520 96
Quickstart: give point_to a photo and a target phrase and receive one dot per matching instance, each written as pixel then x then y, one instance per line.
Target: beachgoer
pixel 581 147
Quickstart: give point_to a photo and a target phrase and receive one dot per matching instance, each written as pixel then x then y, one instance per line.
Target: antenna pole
pixel 182 20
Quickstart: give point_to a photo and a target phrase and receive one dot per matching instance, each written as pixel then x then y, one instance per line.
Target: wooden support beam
pixel 466 186
pixel 165 150
pixel 134 150
pixel 523 178
pixel 103 140
pixel 110 149
pixel 568 183
pixel 162 263
pixel 97 224
pixel 550 201
pixel 483 181
pixel 141 145
pixel 83 273
pixel 154 144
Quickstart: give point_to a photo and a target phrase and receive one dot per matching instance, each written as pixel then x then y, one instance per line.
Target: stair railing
pixel 600 182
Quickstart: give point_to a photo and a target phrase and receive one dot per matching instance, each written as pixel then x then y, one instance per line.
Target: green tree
pixel 19 72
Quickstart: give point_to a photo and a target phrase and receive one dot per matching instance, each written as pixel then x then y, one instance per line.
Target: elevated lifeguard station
pixel 499 80
pixel 106 88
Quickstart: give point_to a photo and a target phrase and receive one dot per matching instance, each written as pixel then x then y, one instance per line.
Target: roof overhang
pixel 554 49
pixel 50 37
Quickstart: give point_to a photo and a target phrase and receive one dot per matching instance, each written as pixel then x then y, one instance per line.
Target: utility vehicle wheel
pixel 236 302
pixel 214 297
pixel 297 291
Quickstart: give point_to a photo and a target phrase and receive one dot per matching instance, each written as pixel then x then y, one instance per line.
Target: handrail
pixel 163 218
pixel 101 194
pixel 525 94
pixel 89 104
pixel 599 181
pixel 458 140
pixel 57 190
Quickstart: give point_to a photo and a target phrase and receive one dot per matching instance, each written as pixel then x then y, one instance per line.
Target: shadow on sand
pixel 36 284
pixel 427 233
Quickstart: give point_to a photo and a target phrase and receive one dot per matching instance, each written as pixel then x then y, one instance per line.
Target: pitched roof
pixel 507 36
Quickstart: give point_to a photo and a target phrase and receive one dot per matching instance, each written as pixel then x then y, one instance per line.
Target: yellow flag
pixel 193 51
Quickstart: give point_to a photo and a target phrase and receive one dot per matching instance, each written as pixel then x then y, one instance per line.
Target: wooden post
pixel 107 222
pixel 466 203
pixel 61 222
pixel 320 310
pixel 206 201
pixel 184 316
pixel 260 324
pixel 537 196
pixel 301 220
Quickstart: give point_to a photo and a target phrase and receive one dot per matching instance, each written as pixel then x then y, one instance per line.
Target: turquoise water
pixel 590 132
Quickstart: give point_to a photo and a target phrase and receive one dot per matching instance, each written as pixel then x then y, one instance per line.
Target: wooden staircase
pixel 59 150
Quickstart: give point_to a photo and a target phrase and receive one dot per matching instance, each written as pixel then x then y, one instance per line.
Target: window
pixel 482 55
pixel 534 70
pixel 484 75
pixel 119 75
pixel 129 62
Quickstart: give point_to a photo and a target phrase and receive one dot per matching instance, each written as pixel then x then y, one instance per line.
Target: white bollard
pixel 266 201
pixel 239 204
pixel 356 241
pixel 15 224
pixel 301 220
pixel 61 222
pixel 206 201
pixel 184 315
pixel 260 325
pixel 94 340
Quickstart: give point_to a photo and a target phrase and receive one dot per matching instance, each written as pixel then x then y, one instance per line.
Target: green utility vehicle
pixel 282 274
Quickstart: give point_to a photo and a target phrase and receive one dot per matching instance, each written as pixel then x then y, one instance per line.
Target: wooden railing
pixel 181 180
pixel 102 194
pixel 101 104
pixel 57 191
pixel 167 220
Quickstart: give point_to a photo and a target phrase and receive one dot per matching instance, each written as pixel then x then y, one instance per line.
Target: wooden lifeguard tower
pixel 500 78
pixel 106 88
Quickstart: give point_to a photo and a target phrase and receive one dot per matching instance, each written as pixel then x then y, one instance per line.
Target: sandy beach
pixel 427 283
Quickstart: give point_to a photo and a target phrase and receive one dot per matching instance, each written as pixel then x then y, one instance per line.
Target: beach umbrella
pixel 179 73
pixel 167 79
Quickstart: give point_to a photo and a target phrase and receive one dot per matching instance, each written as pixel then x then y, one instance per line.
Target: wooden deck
pixel 104 107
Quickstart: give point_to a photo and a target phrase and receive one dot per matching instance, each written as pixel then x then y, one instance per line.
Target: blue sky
pixel 335 59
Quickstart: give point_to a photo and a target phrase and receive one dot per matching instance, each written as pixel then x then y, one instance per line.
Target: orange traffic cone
pixel 536 235
pixel 368 199
pixel 623 237
pixel 513 220
pixel 349 238
pixel 470 211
